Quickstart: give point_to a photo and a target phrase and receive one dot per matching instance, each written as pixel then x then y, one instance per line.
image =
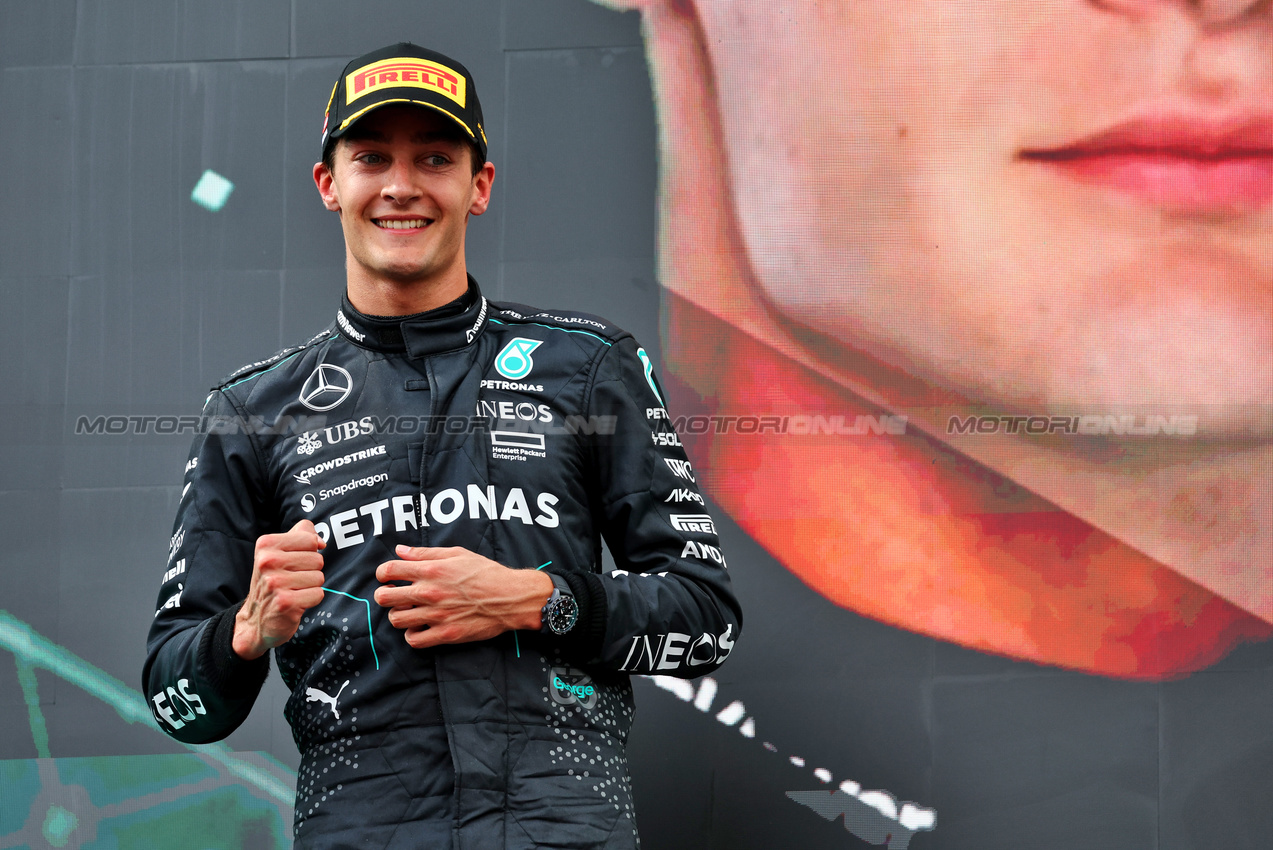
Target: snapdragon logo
pixel 353 484
pixel 514 362
pixel 569 686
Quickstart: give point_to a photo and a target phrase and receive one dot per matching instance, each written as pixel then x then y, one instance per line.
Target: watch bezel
pixel 561 612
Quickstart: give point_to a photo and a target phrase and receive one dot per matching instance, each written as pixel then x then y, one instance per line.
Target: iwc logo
pixel 514 361
pixel 326 387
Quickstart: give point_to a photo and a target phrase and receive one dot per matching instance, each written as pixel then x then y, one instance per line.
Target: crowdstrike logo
pixel 307 475
pixel 515 362
pixel 327 386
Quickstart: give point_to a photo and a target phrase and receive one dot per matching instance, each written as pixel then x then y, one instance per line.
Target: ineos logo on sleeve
pixel 326 387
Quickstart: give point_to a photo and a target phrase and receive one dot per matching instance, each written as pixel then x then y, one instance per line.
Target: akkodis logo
pixel 514 361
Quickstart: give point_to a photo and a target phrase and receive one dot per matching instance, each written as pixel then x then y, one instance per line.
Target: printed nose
pixel 1209 12
pixel 1224 11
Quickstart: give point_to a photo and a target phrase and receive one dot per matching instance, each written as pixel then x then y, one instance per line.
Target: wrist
pixel 244 642
pixel 539 588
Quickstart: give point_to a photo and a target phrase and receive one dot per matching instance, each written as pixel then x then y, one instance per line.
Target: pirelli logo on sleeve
pixel 405 72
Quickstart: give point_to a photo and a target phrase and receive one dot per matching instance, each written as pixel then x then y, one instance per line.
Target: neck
pixel 385 297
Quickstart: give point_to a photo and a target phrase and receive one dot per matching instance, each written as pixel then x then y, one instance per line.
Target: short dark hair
pixel 476 160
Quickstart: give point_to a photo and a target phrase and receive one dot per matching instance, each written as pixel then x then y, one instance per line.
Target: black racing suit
pixel 523 435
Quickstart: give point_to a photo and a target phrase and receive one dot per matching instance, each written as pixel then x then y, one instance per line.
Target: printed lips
pixel 1176 161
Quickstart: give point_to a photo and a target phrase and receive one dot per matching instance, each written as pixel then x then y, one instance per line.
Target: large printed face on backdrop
pixel 988 286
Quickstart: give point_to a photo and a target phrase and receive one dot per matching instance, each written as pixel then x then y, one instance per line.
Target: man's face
pixel 1046 206
pixel 403 184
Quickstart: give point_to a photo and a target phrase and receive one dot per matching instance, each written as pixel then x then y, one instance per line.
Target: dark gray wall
pixel 124 298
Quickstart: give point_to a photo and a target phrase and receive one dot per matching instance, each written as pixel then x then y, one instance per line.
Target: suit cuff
pixel 229 675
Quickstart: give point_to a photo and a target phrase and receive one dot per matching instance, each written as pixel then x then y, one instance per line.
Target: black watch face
pixel 562 613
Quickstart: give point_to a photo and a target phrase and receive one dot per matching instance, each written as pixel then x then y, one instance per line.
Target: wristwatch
pixel 561 611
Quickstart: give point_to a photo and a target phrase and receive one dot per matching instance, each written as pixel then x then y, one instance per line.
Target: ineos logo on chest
pixel 326 387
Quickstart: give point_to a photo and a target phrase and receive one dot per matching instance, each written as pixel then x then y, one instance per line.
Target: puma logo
pixel 315 695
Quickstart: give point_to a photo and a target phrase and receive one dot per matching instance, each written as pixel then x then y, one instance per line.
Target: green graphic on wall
pixel 209 797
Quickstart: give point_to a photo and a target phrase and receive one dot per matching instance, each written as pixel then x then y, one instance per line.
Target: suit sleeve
pixel 668 608
pixel 198 689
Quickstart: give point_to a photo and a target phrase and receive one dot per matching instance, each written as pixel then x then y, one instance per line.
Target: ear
pixel 325 182
pixel 482 189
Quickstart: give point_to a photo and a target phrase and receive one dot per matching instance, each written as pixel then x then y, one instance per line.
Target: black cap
pixel 404 73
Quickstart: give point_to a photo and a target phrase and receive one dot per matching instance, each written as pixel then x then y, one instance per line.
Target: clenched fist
pixel 287 580
pixel 456 596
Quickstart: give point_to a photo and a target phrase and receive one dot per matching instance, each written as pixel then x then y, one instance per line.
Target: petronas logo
pixel 514 361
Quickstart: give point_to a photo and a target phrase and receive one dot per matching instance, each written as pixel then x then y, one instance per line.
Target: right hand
pixel 287 580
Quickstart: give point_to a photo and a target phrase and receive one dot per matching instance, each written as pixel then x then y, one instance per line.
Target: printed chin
pixel 901 529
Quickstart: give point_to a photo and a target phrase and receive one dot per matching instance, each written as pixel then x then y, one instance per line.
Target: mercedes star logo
pixel 326 387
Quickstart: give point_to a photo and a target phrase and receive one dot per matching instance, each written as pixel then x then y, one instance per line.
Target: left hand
pixel 458 596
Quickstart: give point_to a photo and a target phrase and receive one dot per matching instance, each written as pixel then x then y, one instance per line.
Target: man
pixel 1054 214
pixel 414 522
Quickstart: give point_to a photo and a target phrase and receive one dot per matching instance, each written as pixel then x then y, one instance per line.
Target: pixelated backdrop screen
pixel 964 311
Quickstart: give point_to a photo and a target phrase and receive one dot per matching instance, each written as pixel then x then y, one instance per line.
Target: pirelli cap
pixel 404 73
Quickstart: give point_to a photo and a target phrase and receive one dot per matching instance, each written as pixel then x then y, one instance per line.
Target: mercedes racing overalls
pixel 526 436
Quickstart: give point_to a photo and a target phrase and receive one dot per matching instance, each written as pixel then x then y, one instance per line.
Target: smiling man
pixel 423 552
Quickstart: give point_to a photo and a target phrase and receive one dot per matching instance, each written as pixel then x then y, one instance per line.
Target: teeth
pixel 401 225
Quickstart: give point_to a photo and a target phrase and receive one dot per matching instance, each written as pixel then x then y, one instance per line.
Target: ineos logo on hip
pixel 326 387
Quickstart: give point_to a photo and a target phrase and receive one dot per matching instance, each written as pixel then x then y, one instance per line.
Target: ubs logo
pixel 326 387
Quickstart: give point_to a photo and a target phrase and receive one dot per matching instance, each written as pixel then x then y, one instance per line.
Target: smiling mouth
pixel 401 223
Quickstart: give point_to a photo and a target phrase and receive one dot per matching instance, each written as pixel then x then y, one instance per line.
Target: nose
pixel 1209 12
pixel 1224 11
pixel 400 185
